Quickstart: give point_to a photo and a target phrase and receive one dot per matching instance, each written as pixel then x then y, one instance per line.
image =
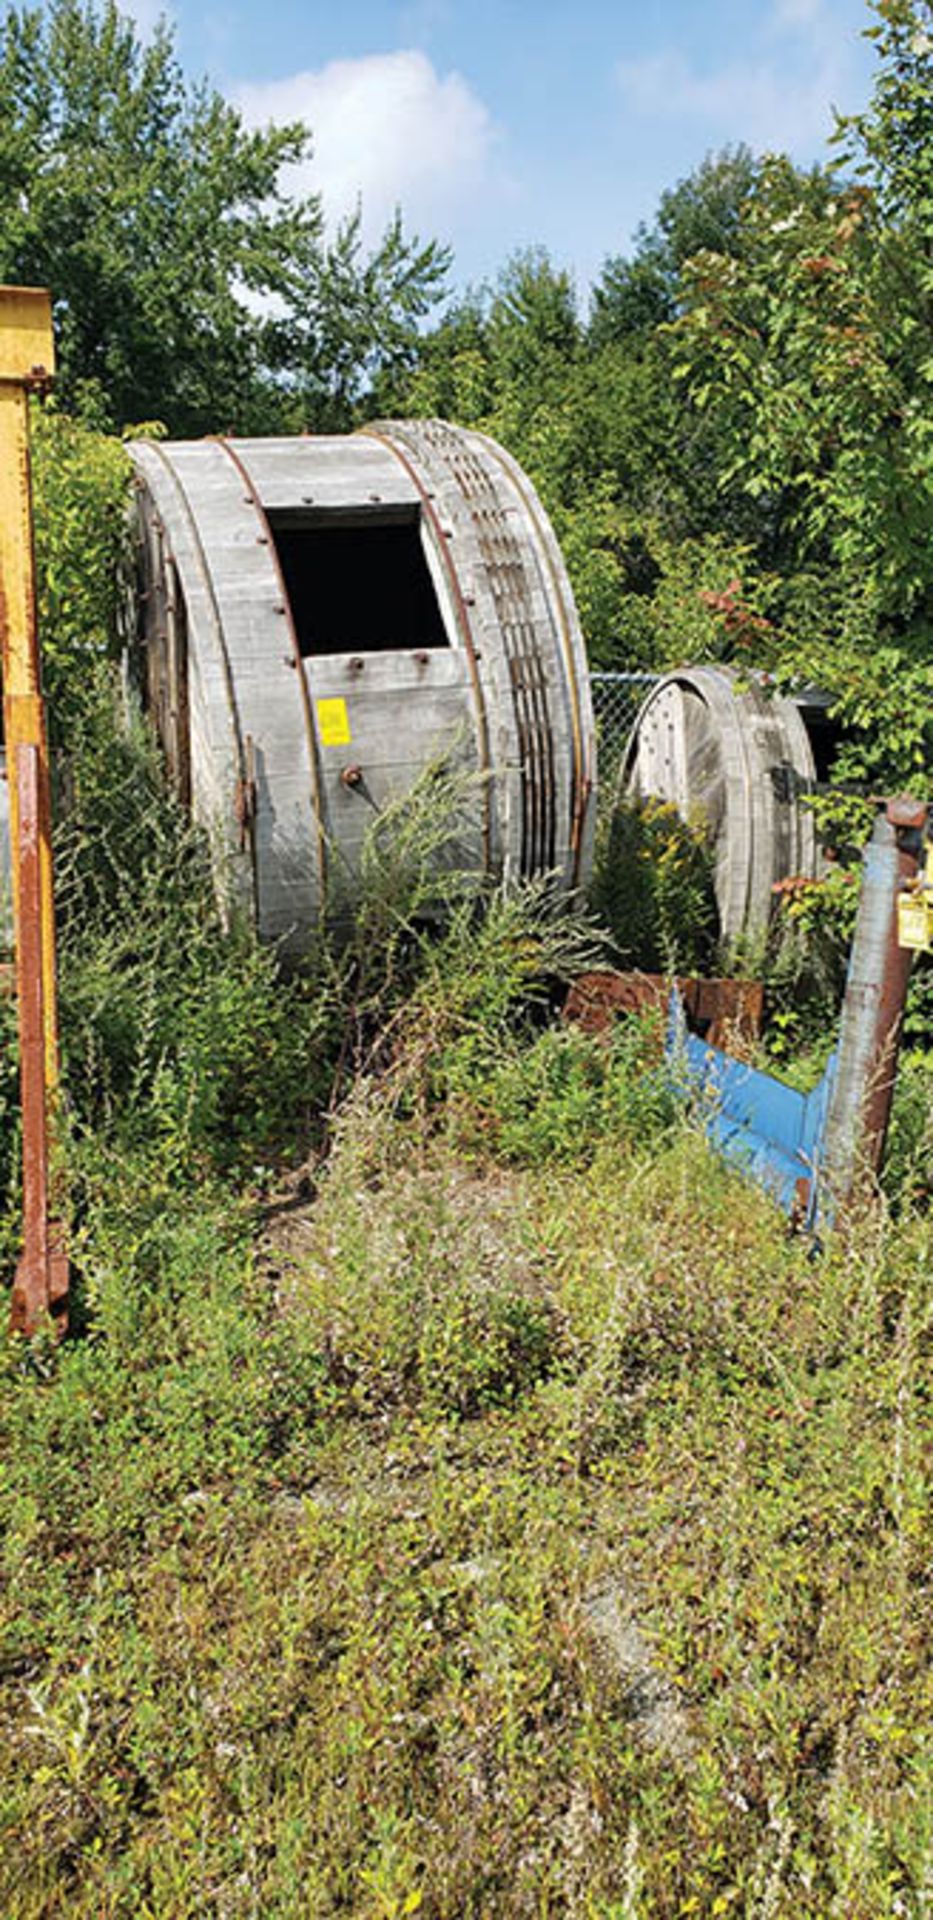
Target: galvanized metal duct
pixel 726 750
pixel 319 617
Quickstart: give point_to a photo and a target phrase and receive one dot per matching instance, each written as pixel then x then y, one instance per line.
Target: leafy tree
pixel 625 462
pixel 638 291
pixel 745 425
pixel 452 376
pixel 189 286
pixel 521 330
pixel 812 353
pixel 533 324
pixel 892 144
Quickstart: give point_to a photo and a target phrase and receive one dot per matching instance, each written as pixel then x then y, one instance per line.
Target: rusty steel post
pixel 26 364
pixel 873 1008
pixel 32 1288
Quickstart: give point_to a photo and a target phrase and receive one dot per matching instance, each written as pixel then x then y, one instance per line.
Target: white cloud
pixel 789 15
pixel 389 131
pixel 782 98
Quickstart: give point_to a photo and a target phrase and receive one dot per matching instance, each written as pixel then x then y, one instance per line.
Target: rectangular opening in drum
pixel 358 585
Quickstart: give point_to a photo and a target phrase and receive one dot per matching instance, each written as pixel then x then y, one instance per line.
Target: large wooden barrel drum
pixel 320 617
pixel 731 754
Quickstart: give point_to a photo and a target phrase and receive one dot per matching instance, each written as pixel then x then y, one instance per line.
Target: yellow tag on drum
pixel 333 723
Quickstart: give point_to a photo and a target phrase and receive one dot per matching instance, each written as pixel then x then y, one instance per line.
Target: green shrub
pixel 81 492
pixel 907 1175
pixel 174 1028
pixel 483 1347
pixel 559 1095
pixel 653 888
pixel 461 990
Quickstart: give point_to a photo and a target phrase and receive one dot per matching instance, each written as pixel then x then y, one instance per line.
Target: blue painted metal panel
pixel 773 1132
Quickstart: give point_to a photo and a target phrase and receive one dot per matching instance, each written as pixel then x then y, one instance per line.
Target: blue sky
pixel 497 126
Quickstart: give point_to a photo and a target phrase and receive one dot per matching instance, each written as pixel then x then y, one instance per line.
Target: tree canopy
pixel 811 355
pixel 639 290
pixel 744 419
pixel 745 424
pixel 189 286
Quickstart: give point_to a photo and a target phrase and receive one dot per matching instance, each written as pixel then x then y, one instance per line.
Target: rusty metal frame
pixel 26 365
pixel 873 1009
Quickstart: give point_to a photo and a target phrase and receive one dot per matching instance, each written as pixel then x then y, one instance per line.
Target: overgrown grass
pixel 178 1034
pixel 459 1496
pixel 506 1538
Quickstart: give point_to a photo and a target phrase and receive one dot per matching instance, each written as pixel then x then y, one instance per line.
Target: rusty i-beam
pixel 26 366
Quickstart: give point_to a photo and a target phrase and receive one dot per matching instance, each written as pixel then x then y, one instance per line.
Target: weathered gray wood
pixel 250 602
pixel 512 690
pixel 574 724
pixel 326 474
pixel 726 749
pixel 216 735
pixel 532 662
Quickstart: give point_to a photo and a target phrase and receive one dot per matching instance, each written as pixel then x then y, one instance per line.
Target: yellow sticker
pixel 914 923
pixel 333 723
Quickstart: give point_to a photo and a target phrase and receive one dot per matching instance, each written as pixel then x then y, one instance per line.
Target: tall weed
pixel 653 888
pixel 176 1032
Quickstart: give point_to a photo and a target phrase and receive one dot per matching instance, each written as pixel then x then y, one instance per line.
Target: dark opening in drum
pixel 360 585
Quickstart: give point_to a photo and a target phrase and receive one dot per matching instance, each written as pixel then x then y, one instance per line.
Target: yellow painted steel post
pixel 26 364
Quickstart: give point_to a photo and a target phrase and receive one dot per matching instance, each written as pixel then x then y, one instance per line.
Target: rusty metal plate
pixel 727 1013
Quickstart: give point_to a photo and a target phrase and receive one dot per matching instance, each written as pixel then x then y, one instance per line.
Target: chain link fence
pixel 616 700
